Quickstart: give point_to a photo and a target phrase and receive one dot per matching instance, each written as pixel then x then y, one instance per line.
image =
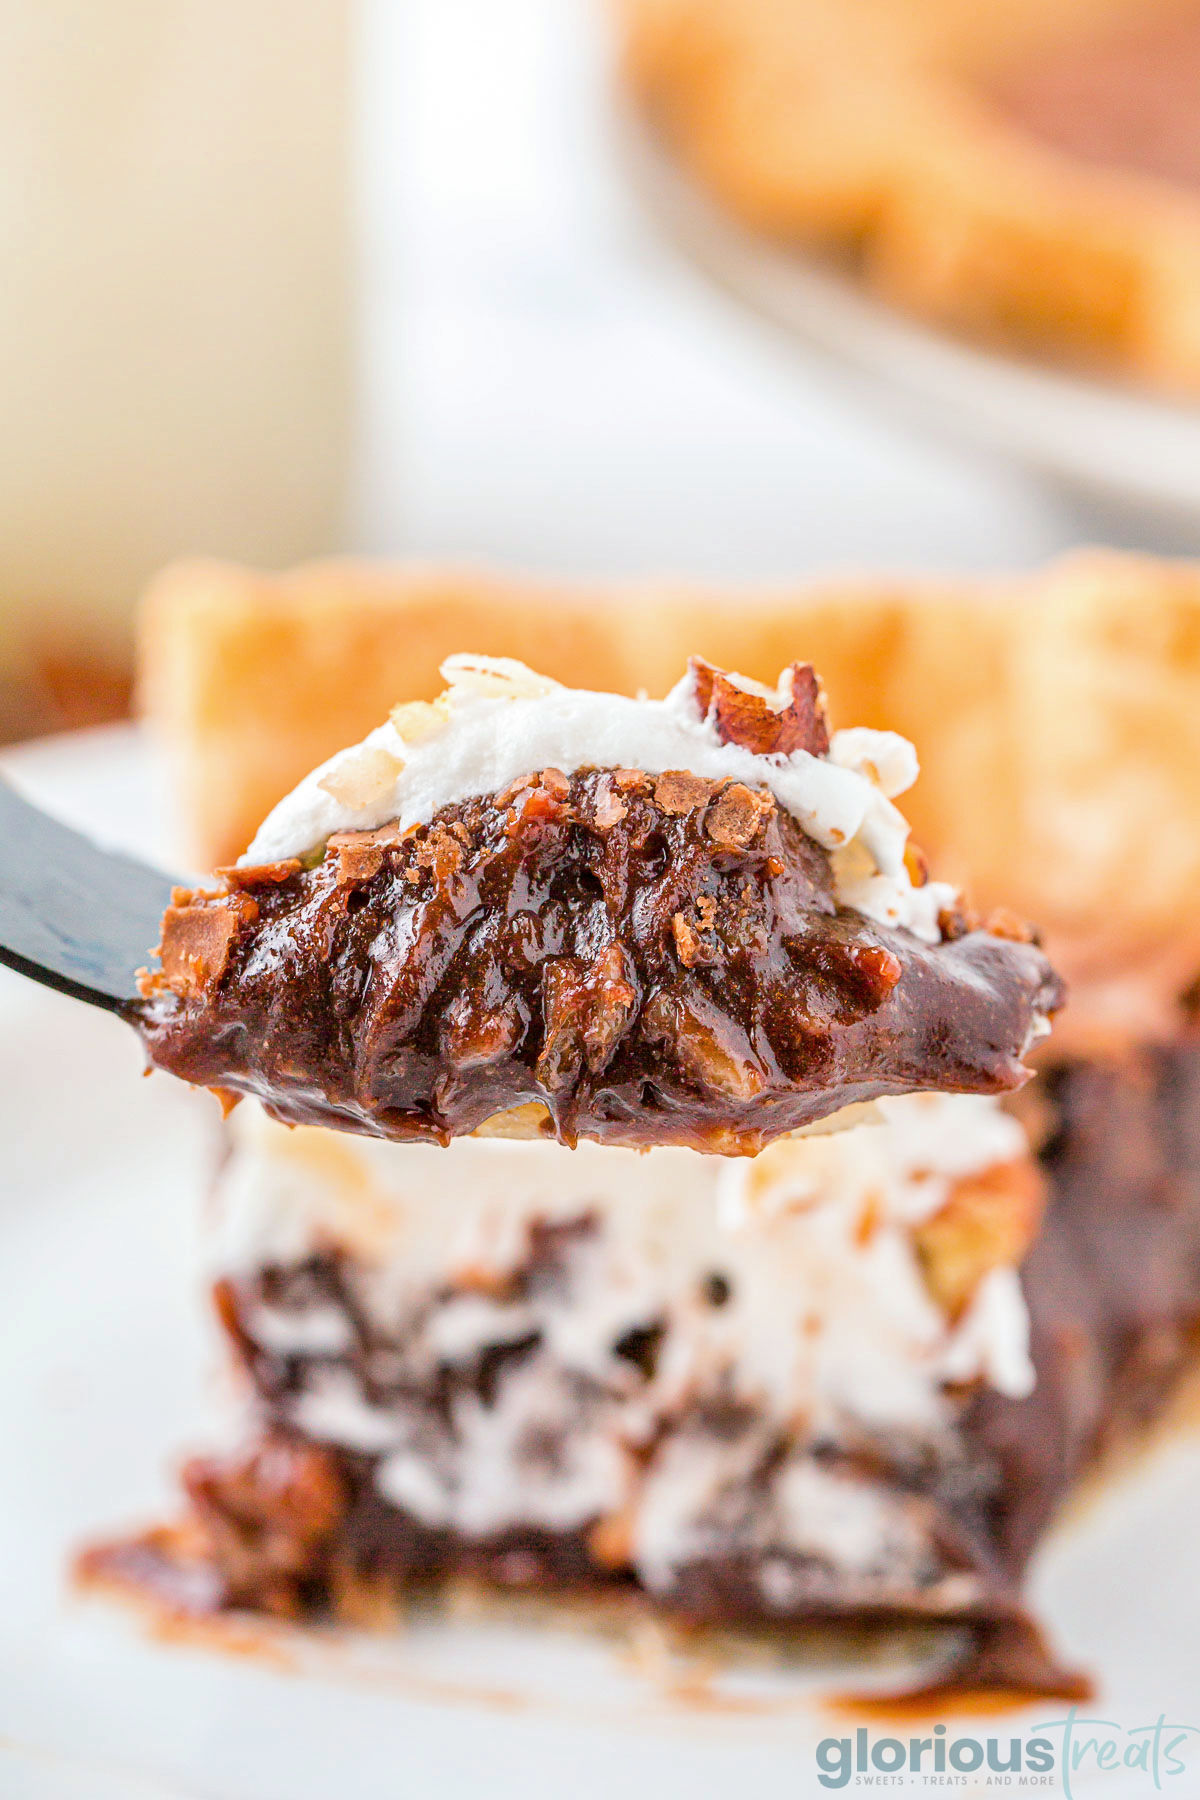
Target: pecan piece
pixel 1001 922
pixel 987 1223
pixel 688 943
pixel 555 783
pixel 441 852
pixel 735 818
pixel 957 921
pixel 198 933
pixel 695 949
pixel 587 1011
pixel 480 1028
pixel 254 875
pixel 709 1056
pixel 360 854
pixel 608 808
pixel 751 720
pixel 679 792
pixel 268 1516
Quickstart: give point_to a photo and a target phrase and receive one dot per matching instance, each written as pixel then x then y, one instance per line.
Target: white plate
pixel 1110 442
pixel 103 1381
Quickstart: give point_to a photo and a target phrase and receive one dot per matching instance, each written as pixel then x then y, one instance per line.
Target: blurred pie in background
pixel 1027 174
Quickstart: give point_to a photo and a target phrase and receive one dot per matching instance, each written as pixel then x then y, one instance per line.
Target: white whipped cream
pixel 928 1142
pixel 826 1328
pixel 822 1318
pixel 512 723
pixel 864 1529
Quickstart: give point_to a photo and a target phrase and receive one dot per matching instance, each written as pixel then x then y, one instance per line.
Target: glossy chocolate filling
pixel 652 959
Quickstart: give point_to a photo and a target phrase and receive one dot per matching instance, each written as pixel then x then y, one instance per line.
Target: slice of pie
pixel 755 1391
pixel 1029 173
pixel 692 921
pixel 854 1378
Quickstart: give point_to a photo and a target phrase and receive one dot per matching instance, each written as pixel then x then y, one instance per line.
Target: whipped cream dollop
pixel 498 721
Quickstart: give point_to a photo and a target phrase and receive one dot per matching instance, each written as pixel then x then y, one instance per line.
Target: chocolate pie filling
pixel 653 959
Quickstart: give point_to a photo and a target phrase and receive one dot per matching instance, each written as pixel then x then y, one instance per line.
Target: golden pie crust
pixel 872 128
pixel 1056 715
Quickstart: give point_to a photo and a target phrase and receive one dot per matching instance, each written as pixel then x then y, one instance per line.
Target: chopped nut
pixel 613 999
pixel 440 852
pixel 877 968
pixel 360 854
pixel 717 1065
pixel 587 1010
pixel 688 942
pixel 535 803
pixel 506 795
pixel 197 939
pixel 260 874
pixel 736 816
pixel 555 783
pixel 610 1540
pixel 473 1037
pixel 768 725
pixel 679 792
pixel 694 950
pixel 362 777
pixel 988 1222
pixel 1002 923
pixel 804 720
pixel 267 1514
pixel 496 677
pixel 917 865
pixel 609 808
pixel 561 1055
pixel 957 921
